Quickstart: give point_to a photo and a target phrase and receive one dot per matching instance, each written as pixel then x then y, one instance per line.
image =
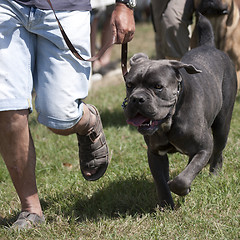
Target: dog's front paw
pixel 179 186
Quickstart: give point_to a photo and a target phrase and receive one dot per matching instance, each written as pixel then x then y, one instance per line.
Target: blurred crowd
pixel 173 24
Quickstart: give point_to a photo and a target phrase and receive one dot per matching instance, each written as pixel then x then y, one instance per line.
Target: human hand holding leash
pixel 122 24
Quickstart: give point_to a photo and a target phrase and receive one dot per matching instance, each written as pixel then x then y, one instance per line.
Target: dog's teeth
pixel 147 124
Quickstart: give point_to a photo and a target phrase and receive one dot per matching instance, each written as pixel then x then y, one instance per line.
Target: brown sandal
pixel 93 149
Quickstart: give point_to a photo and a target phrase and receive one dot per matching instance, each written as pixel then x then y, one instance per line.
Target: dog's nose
pixel 138 99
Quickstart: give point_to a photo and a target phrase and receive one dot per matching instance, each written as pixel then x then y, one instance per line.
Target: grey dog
pixel 182 106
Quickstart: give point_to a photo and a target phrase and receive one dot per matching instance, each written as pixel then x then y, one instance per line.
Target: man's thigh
pixel 61 79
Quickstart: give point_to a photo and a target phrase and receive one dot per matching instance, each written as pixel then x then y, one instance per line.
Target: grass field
pixel 123 203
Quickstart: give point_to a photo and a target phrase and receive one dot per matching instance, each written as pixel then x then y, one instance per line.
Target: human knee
pixel 14 133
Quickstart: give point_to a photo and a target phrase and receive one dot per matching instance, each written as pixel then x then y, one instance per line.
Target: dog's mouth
pixel 143 123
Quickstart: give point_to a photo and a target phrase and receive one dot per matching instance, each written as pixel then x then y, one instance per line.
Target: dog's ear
pixel 188 67
pixel 138 57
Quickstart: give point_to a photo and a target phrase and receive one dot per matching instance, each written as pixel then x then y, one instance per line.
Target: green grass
pixel 123 203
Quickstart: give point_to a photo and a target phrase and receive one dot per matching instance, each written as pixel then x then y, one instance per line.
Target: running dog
pixel 182 106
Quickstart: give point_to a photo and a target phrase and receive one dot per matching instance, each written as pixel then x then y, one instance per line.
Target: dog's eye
pixel 159 87
pixel 129 85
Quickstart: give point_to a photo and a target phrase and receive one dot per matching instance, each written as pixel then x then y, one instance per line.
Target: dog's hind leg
pixel 221 125
pixel 220 130
pixel 159 166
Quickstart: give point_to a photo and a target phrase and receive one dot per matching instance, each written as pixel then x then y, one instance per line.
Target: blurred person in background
pixel 101 19
pixel 171 21
pixel 142 10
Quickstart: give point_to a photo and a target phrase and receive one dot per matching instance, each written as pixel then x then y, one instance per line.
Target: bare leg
pixel 106 37
pixel 93 35
pixel 17 150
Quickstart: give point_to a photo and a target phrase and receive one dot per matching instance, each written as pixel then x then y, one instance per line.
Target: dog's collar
pixel 125 102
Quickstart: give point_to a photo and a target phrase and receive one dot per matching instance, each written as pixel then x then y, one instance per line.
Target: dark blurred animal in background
pixel 142 11
pixel 225 19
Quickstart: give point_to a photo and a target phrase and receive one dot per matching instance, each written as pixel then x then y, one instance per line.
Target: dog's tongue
pixel 137 120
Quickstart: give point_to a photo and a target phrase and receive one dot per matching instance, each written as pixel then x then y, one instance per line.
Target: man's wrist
pixel 129 3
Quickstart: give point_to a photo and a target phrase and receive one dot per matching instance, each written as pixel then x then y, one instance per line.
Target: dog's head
pixel 219 8
pixel 211 8
pixel 152 88
pixel 224 17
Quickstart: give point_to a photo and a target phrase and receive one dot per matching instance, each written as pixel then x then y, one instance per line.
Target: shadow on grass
pixel 133 196
pixel 128 197
pixel 7 222
pixel 115 118
pixel 120 198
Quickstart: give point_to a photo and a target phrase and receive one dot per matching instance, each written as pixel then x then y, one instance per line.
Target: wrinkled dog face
pixel 152 90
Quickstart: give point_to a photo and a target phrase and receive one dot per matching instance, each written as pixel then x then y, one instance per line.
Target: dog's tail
pixel 204 30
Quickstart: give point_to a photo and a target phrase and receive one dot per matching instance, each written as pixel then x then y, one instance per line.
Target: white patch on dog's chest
pixel 166 125
pixel 162 153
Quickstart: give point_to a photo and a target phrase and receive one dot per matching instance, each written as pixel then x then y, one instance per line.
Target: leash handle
pixel 101 51
pixel 124 59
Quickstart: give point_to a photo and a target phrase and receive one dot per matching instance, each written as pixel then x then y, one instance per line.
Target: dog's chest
pixel 159 143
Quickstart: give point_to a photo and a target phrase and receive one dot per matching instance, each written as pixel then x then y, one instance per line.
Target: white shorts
pixel 34 54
